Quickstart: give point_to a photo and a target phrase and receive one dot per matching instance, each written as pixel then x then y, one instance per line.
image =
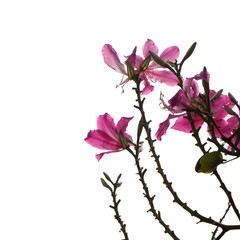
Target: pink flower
pixel 151 74
pixel 185 99
pixel 106 137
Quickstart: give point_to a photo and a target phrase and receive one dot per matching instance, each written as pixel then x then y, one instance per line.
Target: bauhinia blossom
pixel 153 73
pixel 185 99
pixel 109 136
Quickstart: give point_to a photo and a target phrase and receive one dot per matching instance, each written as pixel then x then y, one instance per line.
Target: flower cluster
pixel 153 73
pixel 209 106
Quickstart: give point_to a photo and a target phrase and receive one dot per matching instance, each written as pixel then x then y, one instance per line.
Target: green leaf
pixel 209 162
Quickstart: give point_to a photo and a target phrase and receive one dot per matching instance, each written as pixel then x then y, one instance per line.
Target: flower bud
pixel 130 70
pixel 158 60
pixel 232 98
pixel 145 63
pixel 230 111
pixel 189 52
pixel 217 95
pixel 104 183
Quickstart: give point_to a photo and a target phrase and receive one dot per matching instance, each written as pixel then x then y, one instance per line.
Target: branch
pixel 141 173
pixel 215 232
pixel 116 202
pixel 228 193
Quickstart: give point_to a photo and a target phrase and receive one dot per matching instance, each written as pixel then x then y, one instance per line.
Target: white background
pixel 53 86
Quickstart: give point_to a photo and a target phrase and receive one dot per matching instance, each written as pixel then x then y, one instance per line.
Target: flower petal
pixel 122 124
pixel 182 124
pixel 147 87
pixel 101 140
pixel 164 76
pixel 149 46
pixel 204 75
pixel 112 60
pixel 163 127
pixel 106 124
pixel 132 57
pixel 100 155
pixel 170 53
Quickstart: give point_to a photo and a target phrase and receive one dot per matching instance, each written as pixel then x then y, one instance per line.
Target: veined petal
pixel 164 76
pixel 101 140
pixel 122 124
pixel 149 46
pixel 106 124
pixel 112 60
pixel 170 53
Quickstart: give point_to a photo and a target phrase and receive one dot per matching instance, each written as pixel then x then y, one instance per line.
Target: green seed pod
pixel 209 162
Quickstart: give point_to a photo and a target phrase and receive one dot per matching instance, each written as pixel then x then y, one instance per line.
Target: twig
pixel 215 232
pixel 228 193
pixel 116 202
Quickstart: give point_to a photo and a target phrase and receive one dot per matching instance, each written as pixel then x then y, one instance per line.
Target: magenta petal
pixel 203 75
pixel 101 140
pixel 164 76
pixel 162 129
pixel 224 127
pixel 106 124
pixel 100 155
pixel 170 53
pixel 218 106
pixel 122 124
pixel 182 124
pixel 148 88
pixel 112 60
pixel 132 57
pixel 149 46
pixel 233 123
